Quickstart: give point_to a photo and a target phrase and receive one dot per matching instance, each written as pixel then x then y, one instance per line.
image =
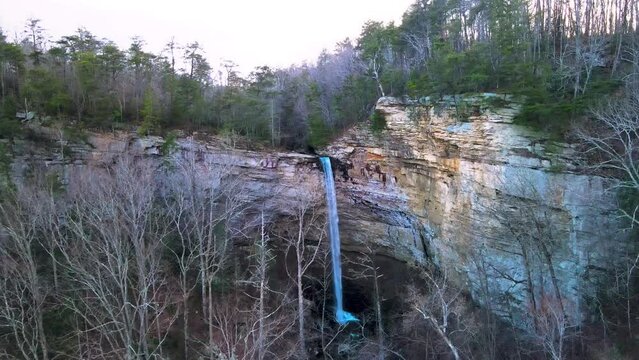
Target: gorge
pixel 508 216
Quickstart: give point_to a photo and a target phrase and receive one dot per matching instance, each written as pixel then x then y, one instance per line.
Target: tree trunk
pixel 185 303
pixel 38 301
pixel 300 308
pixel 444 337
pixel 212 355
pixel 261 305
pixel 378 315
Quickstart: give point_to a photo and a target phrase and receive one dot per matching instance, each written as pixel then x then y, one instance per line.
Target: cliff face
pixel 268 179
pixel 502 210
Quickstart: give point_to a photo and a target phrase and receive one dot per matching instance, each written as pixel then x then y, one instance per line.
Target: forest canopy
pixel 559 56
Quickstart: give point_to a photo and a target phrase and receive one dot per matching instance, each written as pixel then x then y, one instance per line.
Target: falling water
pixel 341 316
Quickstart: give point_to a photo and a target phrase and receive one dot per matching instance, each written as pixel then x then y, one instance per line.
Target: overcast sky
pixel 248 32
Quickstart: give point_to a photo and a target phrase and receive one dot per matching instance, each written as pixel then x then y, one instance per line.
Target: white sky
pixel 249 32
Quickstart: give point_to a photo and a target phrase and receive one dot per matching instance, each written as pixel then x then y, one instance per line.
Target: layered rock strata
pixel 501 209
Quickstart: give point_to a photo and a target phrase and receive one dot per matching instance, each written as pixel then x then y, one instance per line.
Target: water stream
pixel 341 316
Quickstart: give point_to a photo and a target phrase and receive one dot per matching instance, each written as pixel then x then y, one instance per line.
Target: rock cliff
pixel 263 173
pixel 503 211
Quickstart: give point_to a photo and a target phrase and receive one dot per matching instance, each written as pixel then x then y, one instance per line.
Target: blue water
pixel 341 316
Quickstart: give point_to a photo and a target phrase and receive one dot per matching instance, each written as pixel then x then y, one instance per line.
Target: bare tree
pixel 421 47
pixel 552 327
pixel 484 280
pixel 375 67
pixel 612 141
pixel 22 289
pixel 253 317
pixel 441 308
pixel 205 202
pixel 367 269
pixel 269 314
pixel 264 257
pixel 305 221
pixel 112 257
pixel 323 280
pixel 196 188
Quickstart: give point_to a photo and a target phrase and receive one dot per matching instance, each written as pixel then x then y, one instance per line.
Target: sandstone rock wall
pixel 269 179
pixel 500 208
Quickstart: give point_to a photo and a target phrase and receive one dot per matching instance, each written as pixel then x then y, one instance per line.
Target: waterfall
pixel 341 316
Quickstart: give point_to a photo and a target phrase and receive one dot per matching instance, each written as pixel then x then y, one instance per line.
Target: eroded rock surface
pixel 500 208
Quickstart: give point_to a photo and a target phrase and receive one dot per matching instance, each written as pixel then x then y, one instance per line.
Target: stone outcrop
pixel 263 173
pixel 500 208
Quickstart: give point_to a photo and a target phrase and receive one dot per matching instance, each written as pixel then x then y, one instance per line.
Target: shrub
pixel 319 134
pixel 9 128
pixel 378 122
pixel 170 144
pixel 463 110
